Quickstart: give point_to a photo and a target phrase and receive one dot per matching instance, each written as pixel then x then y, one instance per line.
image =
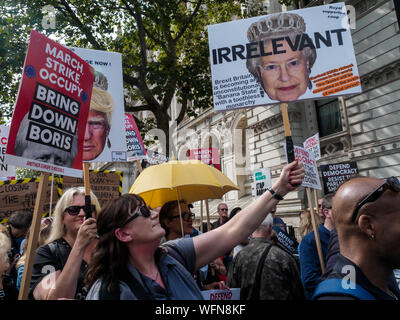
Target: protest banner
pixel 20 195
pixel 106 185
pixel 228 294
pixel 105 139
pixel 312 145
pixel 49 119
pixel 289 56
pixel 284 240
pixel 261 181
pixel 208 156
pixel 7 171
pixel 333 175
pixel 154 157
pixel 311 178
pixel 134 143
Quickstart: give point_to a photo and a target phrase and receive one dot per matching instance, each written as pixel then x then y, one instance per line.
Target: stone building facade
pixel 364 128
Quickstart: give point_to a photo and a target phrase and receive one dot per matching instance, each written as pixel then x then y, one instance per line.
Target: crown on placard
pixel 276 23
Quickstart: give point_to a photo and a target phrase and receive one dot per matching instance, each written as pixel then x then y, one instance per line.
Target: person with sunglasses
pixel 223 216
pixel 60 265
pixel 366 215
pixel 130 264
pixel 176 227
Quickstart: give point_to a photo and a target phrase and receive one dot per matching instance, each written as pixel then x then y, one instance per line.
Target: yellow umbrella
pixel 189 180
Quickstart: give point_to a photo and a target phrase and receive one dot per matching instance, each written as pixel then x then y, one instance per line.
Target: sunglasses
pixel 390 183
pixel 142 211
pixel 224 209
pixel 186 216
pixel 74 210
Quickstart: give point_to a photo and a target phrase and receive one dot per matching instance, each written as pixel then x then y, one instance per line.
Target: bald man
pixel 366 212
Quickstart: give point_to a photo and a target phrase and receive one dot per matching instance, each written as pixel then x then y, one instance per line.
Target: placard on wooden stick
pixel 20 195
pixel 34 234
pixel 106 185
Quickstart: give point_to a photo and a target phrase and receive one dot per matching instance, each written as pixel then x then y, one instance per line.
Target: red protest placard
pixel 208 156
pixel 49 120
pixel 134 143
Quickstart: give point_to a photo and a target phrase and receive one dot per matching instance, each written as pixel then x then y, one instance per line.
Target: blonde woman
pixel 60 265
pixel 306 223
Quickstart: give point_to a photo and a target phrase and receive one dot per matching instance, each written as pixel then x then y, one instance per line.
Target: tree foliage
pixel 164 47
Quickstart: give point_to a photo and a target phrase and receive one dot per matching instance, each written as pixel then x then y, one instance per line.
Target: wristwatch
pixel 277 196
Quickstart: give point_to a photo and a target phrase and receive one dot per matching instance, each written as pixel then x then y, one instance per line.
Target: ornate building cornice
pixel 273 122
pixel 381 76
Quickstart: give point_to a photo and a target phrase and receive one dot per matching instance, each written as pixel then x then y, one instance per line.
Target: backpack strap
pixel 334 287
pixel 256 289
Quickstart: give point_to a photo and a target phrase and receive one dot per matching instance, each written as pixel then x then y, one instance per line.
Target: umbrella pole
pixel 201 216
pixel 180 213
pixel 208 216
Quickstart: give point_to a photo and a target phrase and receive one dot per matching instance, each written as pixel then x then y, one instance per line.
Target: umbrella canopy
pixel 189 180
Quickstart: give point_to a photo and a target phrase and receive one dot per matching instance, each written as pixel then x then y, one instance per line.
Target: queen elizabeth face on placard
pixel 284 76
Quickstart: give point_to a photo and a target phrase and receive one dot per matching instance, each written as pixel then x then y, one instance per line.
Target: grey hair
pixel 275 26
pixel 266 223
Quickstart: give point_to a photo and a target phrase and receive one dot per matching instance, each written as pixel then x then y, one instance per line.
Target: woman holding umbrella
pixel 128 262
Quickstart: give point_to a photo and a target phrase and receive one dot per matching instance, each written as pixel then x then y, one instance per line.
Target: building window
pixel 329 117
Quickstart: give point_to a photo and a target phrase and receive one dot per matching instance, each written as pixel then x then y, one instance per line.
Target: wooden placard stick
pixel 208 215
pixel 34 235
pixel 315 228
pixel 288 133
pixel 316 200
pixel 139 166
pixel 291 158
pixel 86 181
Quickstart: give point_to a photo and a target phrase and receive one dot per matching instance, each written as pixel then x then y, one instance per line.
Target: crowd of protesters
pixel 127 250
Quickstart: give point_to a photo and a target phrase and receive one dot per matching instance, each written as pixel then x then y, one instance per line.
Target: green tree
pixel 164 47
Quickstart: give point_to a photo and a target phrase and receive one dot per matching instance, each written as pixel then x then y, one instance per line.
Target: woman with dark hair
pixel 128 262
pixel 174 226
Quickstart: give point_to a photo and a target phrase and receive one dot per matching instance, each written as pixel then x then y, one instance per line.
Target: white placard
pixel 296 55
pixel 312 145
pixel 109 64
pixel 311 178
pixel 7 171
pixel 261 181
pixel 229 294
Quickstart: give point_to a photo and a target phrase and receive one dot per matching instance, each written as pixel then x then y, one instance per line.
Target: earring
pixel 372 237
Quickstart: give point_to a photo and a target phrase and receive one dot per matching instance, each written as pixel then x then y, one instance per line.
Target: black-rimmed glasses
pixel 142 211
pixel 390 183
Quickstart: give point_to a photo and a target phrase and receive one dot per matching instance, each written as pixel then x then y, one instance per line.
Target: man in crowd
pixel 367 219
pixel 263 271
pixel 310 266
pixel 19 223
pixel 223 216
